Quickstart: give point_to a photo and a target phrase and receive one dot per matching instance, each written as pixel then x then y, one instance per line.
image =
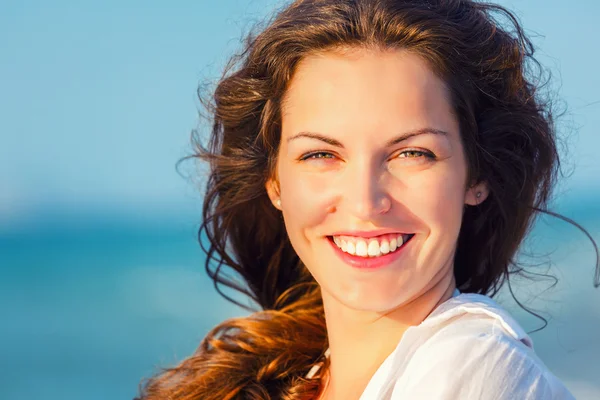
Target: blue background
pixel 101 276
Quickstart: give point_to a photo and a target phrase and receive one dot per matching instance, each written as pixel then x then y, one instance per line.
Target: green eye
pixel 319 155
pixel 412 153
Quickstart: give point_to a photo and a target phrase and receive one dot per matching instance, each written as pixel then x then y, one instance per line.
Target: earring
pixel 478 194
pixel 278 202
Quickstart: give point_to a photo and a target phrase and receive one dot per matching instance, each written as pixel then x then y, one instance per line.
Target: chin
pixel 373 298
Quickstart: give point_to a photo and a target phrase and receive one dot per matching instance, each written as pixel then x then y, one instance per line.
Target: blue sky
pixel 98 98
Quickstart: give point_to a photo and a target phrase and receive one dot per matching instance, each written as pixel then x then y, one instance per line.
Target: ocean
pixel 91 304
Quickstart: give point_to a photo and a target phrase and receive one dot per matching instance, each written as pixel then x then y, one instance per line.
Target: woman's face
pixel 371 176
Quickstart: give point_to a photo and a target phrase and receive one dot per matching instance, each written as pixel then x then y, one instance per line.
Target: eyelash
pixel 327 155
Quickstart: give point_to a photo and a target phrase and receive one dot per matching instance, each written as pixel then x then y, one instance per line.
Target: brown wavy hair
pixel 482 54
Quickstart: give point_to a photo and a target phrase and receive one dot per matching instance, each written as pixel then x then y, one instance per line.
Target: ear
pixel 272 187
pixel 476 194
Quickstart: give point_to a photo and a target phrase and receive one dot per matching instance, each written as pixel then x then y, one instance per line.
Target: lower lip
pixel 369 262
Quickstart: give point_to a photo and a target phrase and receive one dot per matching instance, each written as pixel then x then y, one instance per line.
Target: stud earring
pixel 278 202
pixel 478 194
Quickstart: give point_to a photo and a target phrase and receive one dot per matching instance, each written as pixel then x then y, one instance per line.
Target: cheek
pixel 305 198
pixel 436 196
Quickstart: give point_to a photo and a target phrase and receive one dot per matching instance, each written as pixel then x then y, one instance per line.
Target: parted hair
pixel 507 129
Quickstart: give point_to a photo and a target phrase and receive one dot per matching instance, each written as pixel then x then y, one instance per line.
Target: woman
pixel 375 165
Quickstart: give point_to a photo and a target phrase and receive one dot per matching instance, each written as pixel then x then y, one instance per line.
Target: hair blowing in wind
pixel 506 127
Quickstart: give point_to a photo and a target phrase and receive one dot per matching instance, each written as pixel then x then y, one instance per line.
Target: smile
pixel 370 252
pixel 371 247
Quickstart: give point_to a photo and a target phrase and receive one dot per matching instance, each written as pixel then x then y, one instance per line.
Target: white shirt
pixel 467 348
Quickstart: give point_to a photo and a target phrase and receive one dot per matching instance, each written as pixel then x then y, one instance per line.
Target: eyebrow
pixel 396 140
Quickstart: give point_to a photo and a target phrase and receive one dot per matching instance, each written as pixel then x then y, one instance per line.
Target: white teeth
pixel 385 247
pixel 361 248
pixel 350 248
pixel 373 249
pixel 370 248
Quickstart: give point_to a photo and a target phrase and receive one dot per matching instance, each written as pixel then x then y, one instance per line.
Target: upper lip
pixel 373 233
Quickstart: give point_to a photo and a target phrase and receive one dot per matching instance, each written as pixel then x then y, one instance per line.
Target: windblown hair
pixel 482 54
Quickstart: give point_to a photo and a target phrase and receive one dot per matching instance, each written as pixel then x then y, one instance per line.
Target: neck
pixel 360 341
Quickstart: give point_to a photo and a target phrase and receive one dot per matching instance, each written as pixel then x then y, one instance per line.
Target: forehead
pixel 368 90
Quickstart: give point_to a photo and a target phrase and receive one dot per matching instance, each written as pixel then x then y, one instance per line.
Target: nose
pixel 366 194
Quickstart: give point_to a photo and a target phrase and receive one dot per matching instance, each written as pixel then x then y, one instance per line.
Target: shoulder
pixel 475 349
pixel 474 313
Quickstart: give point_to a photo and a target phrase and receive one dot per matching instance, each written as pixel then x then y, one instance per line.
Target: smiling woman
pixel 375 166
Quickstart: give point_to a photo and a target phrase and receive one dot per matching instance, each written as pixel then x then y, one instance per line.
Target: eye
pixel 415 153
pixel 317 155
